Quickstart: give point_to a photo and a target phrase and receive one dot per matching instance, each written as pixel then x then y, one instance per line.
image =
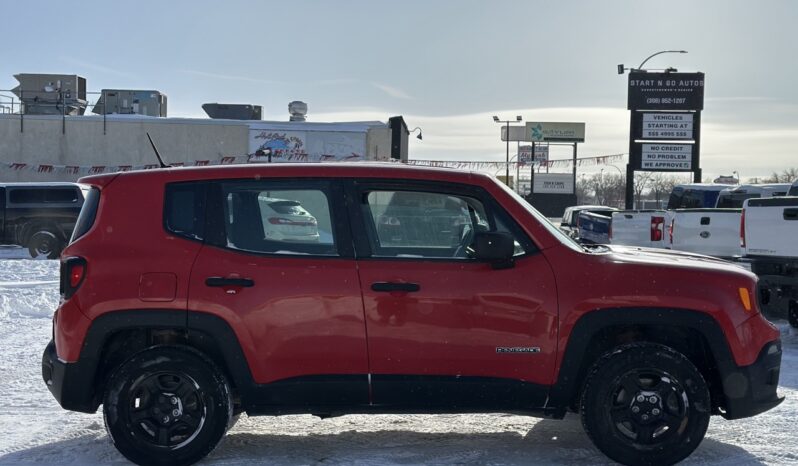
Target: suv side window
pixel 43 195
pixel 425 224
pixel 278 217
pixel 184 209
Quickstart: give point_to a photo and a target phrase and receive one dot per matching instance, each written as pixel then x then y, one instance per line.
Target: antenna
pixel 157 154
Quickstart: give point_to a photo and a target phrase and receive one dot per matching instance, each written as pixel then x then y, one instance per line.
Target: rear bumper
pixel 70 383
pixel 752 389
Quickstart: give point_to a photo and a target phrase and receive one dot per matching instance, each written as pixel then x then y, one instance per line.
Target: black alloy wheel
pixel 167 405
pixel 645 404
pixel 44 244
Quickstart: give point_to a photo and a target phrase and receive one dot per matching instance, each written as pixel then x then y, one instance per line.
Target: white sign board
pixel 541 154
pixel 667 126
pixel 666 157
pixel 308 146
pixel 554 183
pixel 555 132
pixel 517 133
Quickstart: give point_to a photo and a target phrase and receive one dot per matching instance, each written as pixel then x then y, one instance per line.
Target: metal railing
pixel 9 104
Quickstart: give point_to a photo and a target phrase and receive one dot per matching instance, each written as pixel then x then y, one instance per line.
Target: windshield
pixel 562 237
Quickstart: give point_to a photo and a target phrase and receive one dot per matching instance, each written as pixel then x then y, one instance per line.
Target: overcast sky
pixel 447 66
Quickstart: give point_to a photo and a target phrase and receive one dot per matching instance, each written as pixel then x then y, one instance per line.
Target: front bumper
pixel 70 383
pixel 752 389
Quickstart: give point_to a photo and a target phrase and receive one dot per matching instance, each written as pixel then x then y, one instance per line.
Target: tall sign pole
pixel 664 124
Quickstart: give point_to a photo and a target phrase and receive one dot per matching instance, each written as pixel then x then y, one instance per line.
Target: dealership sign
pixel 553 183
pixel 666 91
pixel 664 156
pixel 541 154
pixel 666 125
pixel 555 132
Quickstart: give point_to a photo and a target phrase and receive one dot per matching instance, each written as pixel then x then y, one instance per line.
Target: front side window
pixel 264 217
pixel 426 224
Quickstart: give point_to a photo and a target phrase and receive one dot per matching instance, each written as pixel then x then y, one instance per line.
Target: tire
pixel 167 405
pixel 45 243
pixel 645 404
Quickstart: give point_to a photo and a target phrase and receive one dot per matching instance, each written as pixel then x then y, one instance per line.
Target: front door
pixel 446 330
pixel 279 267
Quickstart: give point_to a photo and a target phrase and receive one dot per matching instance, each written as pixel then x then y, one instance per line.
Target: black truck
pixel 39 216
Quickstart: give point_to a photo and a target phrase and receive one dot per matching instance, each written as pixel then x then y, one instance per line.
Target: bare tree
pixel 661 185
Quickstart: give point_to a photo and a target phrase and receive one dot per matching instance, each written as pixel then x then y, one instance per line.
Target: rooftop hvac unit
pixel 233 111
pixel 131 102
pixel 298 110
pixel 51 94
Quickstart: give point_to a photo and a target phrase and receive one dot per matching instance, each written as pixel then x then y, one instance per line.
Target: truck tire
pixel 167 405
pixel 45 243
pixel 645 404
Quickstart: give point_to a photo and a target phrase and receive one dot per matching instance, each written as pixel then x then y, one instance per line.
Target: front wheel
pixel 645 404
pixel 167 406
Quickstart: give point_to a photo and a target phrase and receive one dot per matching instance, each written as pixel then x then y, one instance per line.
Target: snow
pixel 35 430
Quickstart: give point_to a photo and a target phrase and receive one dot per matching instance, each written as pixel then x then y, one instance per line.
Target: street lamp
pixel 507 137
pixel 417 128
pixel 621 69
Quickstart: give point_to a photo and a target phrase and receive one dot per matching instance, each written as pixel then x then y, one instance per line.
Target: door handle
pixel 388 287
pixel 221 281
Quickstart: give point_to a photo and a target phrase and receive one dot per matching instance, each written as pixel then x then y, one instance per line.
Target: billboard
pixel 555 132
pixel 307 146
pixel 541 154
pixel 517 133
pixel 665 91
pixel 553 183
pixel 664 156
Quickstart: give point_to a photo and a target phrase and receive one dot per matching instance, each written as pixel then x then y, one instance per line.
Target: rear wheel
pixel 645 404
pixel 45 243
pixel 167 406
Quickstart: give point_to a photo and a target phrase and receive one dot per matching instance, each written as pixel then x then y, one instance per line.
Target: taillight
pixel 657 226
pixel 288 221
pixel 670 231
pixel 73 272
pixel 742 229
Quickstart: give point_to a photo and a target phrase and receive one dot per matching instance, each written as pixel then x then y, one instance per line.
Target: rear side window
pixel 87 214
pixel 793 191
pixel 287 218
pixel 184 209
pixel 66 195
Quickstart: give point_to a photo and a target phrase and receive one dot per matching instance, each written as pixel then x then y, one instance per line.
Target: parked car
pixel 178 314
pixel 287 220
pixel 769 236
pixel 595 227
pixel 716 232
pixel 39 216
pixel 570 217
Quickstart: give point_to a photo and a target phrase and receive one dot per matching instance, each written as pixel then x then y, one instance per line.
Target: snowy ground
pixel 34 429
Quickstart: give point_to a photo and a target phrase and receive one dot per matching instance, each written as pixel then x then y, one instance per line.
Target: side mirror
pixel 495 247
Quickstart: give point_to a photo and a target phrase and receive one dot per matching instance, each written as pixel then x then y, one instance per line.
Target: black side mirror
pixel 495 247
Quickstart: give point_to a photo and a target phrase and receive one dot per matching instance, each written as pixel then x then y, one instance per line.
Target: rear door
pixel 278 266
pixel 444 329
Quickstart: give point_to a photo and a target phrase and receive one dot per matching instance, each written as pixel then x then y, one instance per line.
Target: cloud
pixel 229 77
pixel 392 91
pixel 752 151
pixel 92 66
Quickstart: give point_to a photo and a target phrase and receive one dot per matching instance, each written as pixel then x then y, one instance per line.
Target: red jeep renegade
pixel 192 295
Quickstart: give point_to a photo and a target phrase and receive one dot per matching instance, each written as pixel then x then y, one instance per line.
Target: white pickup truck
pixel 716 232
pixel 769 235
pixel 693 222
pixel 649 228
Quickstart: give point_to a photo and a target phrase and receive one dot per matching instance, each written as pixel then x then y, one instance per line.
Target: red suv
pixel 181 309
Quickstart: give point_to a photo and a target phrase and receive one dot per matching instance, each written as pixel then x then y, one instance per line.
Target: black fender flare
pixel 198 327
pixel 572 368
